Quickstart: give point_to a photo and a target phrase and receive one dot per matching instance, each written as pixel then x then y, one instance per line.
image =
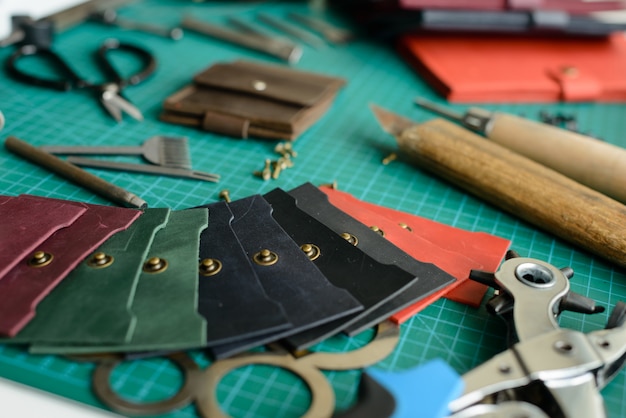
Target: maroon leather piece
pixel 24 286
pixel 27 221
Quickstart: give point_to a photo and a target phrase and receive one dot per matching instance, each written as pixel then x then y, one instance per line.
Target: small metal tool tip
pixel 438 109
pixel 1 121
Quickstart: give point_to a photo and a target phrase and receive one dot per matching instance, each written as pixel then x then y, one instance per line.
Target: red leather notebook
pixel 519 69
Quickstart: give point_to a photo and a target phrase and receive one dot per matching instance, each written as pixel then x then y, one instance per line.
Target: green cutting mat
pixel 346 146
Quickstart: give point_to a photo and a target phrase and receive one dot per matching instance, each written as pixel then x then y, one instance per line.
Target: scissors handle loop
pixel 148 61
pixel 69 78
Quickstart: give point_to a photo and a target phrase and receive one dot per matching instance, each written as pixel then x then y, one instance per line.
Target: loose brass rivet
pixel 267 169
pixel 391 157
pixel 210 267
pixel 378 230
pixel 100 260
pixel 350 238
pixel 311 250
pixel 40 259
pixel 405 226
pixel 155 265
pixel 265 257
pixel 225 195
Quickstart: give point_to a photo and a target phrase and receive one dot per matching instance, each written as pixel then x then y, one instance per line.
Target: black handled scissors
pixel 109 92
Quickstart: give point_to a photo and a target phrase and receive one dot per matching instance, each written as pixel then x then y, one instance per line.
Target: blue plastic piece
pixel 424 391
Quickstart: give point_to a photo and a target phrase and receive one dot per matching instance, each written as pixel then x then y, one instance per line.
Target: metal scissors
pixel 108 92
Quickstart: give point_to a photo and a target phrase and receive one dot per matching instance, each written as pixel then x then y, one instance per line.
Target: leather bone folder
pixel 244 98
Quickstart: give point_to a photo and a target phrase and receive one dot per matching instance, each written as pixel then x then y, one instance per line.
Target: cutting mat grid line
pixel 345 145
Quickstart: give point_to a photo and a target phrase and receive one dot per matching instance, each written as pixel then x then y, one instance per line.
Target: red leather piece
pixel 454 250
pixel 466 68
pixel 27 221
pixel 24 287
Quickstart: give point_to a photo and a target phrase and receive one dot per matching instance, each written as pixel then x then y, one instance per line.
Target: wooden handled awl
pixel 597 164
pixel 514 183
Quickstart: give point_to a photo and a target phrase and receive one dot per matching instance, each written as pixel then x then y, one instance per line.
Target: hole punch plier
pixel 109 92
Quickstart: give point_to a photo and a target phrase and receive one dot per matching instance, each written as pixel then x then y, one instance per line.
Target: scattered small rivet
pixel 40 259
pixel 225 195
pixel 265 257
pixel 100 260
pixel 391 157
pixel 155 265
pixel 210 267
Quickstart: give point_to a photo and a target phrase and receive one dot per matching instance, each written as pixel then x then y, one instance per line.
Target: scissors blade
pixel 116 104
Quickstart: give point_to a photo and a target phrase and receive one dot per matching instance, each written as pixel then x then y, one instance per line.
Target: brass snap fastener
pixel 311 250
pixel 265 257
pixel 155 265
pixel 100 260
pixel 350 238
pixel 40 259
pixel 259 85
pixel 377 230
pixel 210 267
pixel 405 226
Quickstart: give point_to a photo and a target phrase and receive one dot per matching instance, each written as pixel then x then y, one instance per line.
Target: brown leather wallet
pixel 245 98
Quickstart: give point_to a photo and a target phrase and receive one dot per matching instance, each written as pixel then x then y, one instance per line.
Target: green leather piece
pixel 165 303
pixel 93 305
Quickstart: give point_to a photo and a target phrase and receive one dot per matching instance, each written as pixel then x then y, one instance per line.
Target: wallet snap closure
pixel 576 85
pixel 230 125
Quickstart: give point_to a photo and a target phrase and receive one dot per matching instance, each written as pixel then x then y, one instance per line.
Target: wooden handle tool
pixel 516 184
pixel 597 164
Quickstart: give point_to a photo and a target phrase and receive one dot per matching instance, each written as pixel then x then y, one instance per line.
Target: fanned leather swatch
pixel 92 304
pixel 455 250
pixel 308 298
pixel 230 295
pixel 245 98
pixel 165 300
pixel 428 277
pixel 28 282
pixel 346 266
pixel 27 221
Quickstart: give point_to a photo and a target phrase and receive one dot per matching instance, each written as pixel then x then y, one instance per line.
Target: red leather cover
pixel 24 286
pixel 454 250
pixel 519 69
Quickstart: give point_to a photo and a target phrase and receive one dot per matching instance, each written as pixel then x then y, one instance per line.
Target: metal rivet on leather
pixel 311 250
pixel 405 226
pixel 570 71
pixel 350 238
pixel 100 260
pixel 265 257
pixel 210 267
pixel 155 265
pixel 377 230
pixel 259 85
pixel 40 259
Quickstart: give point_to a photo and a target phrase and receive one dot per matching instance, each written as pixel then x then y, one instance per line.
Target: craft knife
pixel 596 164
pixel 514 183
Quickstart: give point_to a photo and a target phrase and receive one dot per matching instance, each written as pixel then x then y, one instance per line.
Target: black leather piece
pixel 428 277
pixel 370 282
pixel 308 298
pixel 233 301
